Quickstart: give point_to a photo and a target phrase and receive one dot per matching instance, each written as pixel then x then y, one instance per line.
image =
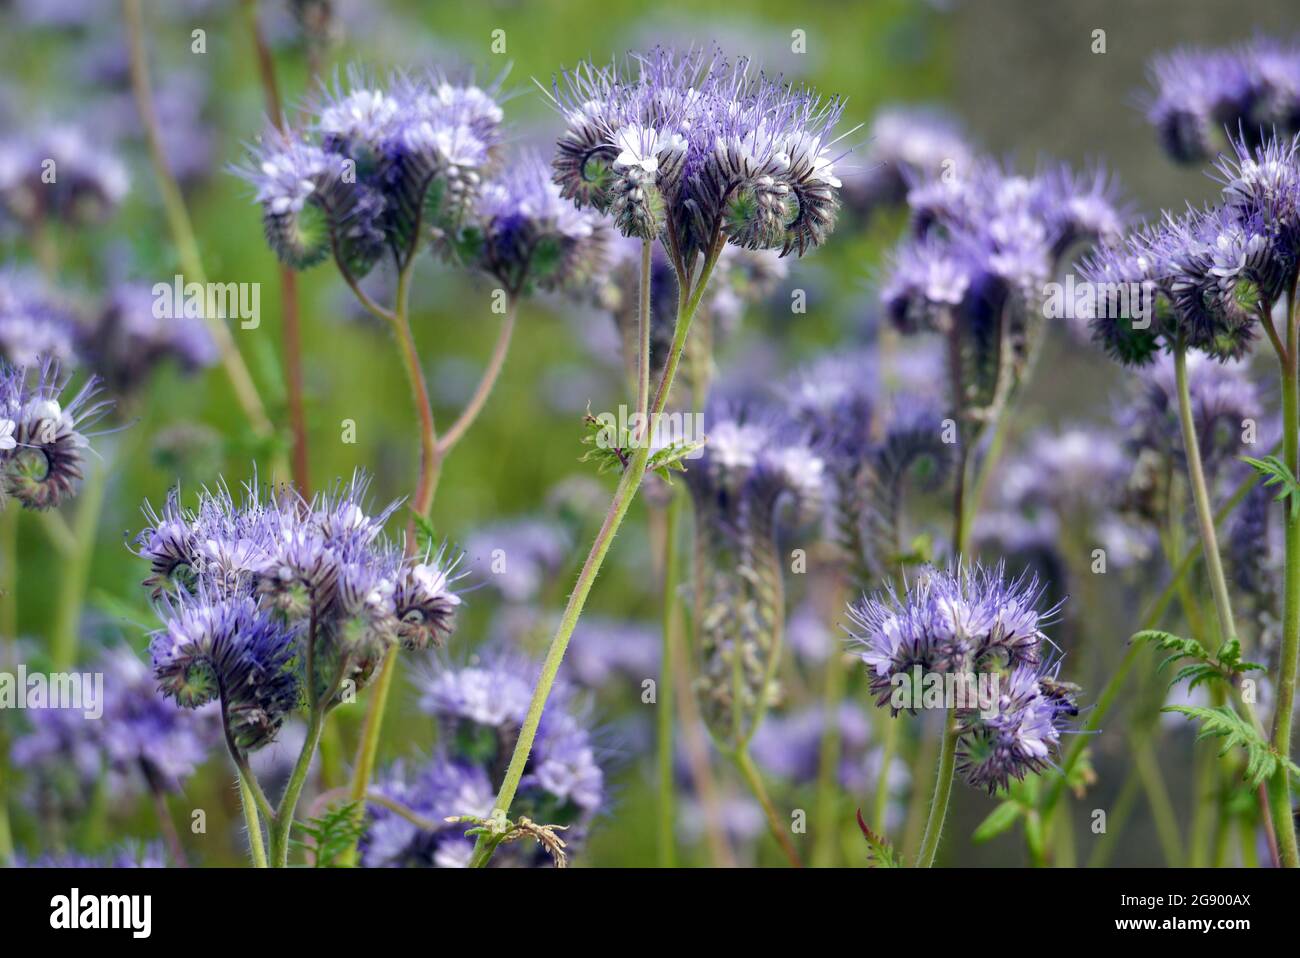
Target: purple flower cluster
pixel 34 325
pixel 1199 94
pixel 698 150
pixel 1207 276
pixel 42 433
pixel 140 742
pixel 971 621
pixel 907 145
pixel 1223 397
pixel 127 340
pixel 985 238
pixel 479 709
pixel 527 233
pixel 122 339
pixel 272 599
pixel 59 174
pixel 381 167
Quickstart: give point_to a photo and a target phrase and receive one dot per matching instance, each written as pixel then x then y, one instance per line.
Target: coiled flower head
pixel 382 166
pixel 224 647
pixel 42 433
pixel 1198 93
pixel 975 625
pixel 527 235
pixel 701 148
pixel 300 576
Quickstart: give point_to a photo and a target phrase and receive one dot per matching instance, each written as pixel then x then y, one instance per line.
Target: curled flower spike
pixel 42 442
pixel 749 467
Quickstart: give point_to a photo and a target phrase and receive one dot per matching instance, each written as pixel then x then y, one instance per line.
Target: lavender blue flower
pixel 139 742
pixel 1025 730
pixel 127 341
pixel 89 181
pixel 383 166
pixel 479 709
pixel 1197 93
pixel 973 621
pixel 34 325
pixel 907 144
pixel 528 235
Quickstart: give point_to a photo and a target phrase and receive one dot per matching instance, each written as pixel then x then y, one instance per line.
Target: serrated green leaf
pixel 880 853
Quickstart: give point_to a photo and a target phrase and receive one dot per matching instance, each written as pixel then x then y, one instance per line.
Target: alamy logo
pixel 626 430
pixel 1082 300
pixel 58 690
pixel 919 689
pixel 73 911
pixel 179 299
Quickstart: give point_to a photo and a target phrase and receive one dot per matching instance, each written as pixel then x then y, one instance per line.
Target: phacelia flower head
pixel 138 742
pixel 88 182
pixel 128 340
pixel 960 619
pixel 985 241
pixel 288 575
pixel 226 648
pixel 1022 733
pixel 381 167
pixel 34 325
pixel 906 144
pixel 1223 397
pixel 42 433
pixel 972 623
pixel 528 235
pixel 699 149
pixel 1198 94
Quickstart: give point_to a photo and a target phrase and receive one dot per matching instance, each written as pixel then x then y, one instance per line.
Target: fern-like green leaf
pixel 1277 473
pixel 332 834
pixel 1262 760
